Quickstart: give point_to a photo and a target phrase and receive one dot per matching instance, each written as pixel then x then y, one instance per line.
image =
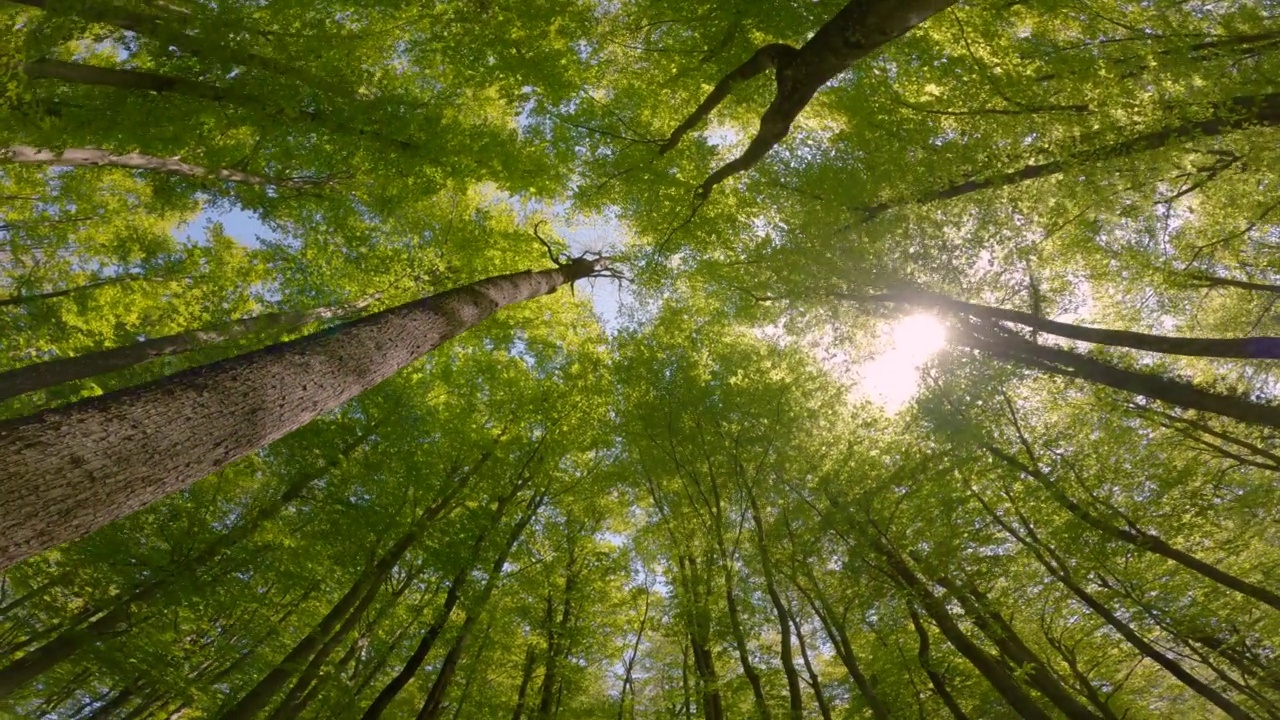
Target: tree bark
pixel 44 375
pixel 796 701
pixel 94 157
pixel 70 470
pixel 75 639
pixel 1137 537
pixel 936 679
pixel 859 29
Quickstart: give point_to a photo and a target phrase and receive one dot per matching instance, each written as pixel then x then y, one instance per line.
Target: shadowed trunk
pixel 73 469
pixel 27 299
pixel 936 679
pixel 796 701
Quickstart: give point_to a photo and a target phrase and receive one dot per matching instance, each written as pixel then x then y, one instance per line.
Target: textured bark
pixel 70 470
pixel 94 157
pixel 859 29
pixel 1157 387
pixel 1246 348
pixel 796 701
pixel 1233 114
pixel 1137 537
pixel 358 597
pixel 44 375
pixel 936 679
pixel 1058 569
pixel 76 638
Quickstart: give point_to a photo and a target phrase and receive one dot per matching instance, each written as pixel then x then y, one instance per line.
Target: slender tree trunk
pixel 44 375
pixel 434 703
pixel 95 157
pixel 358 596
pixel 699 622
pixel 936 679
pixel 844 649
pixel 630 663
pixel 451 598
pixel 1157 387
pixel 796 704
pixel 28 299
pixel 815 684
pixel 1246 348
pixel 1207 280
pixel 557 639
pixel 76 638
pixel 70 470
pixel 999 678
pixel 1060 571
pixel 1233 114
pixel 526 677
pixel 1137 537
pixel 1019 656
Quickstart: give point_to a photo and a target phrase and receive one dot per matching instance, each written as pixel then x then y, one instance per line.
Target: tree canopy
pixel 640 359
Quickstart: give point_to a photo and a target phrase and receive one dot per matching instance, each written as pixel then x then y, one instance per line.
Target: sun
pixel 891 378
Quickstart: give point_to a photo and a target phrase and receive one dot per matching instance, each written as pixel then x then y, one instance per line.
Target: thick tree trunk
pixel 76 638
pixel 94 157
pixel 44 375
pixel 1236 113
pixel 358 597
pixel 1139 538
pixel 859 29
pixel 66 472
pixel 1058 569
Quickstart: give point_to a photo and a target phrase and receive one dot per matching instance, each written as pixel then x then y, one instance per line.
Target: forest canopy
pixel 640 359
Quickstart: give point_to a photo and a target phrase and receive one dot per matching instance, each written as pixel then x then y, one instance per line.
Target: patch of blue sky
pixel 244 226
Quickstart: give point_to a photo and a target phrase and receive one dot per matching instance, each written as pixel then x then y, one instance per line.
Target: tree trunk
pixel 630 663
pixel 557 639
pixel 454 593
pixel 94 157
pixel 796 701
pixel 358 596
pixel 1253 348
pixel 844 649
pixel 44 375
pixel 70 470
pixel 1236 113
pixel 75 639
pixel 526 677
pixel 999 678
pixel 1059 570
pixel 859 29
pixel 815 684
pixel 1058 361
pixel 699 622
pixel 1021 658
pixel 1139 538
pixel 434 702
pixel 936 679
pixel 28 299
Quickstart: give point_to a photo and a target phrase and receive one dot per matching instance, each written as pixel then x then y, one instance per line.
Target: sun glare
pixel 891 378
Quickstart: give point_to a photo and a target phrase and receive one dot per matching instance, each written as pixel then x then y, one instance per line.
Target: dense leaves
pixel 698 507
